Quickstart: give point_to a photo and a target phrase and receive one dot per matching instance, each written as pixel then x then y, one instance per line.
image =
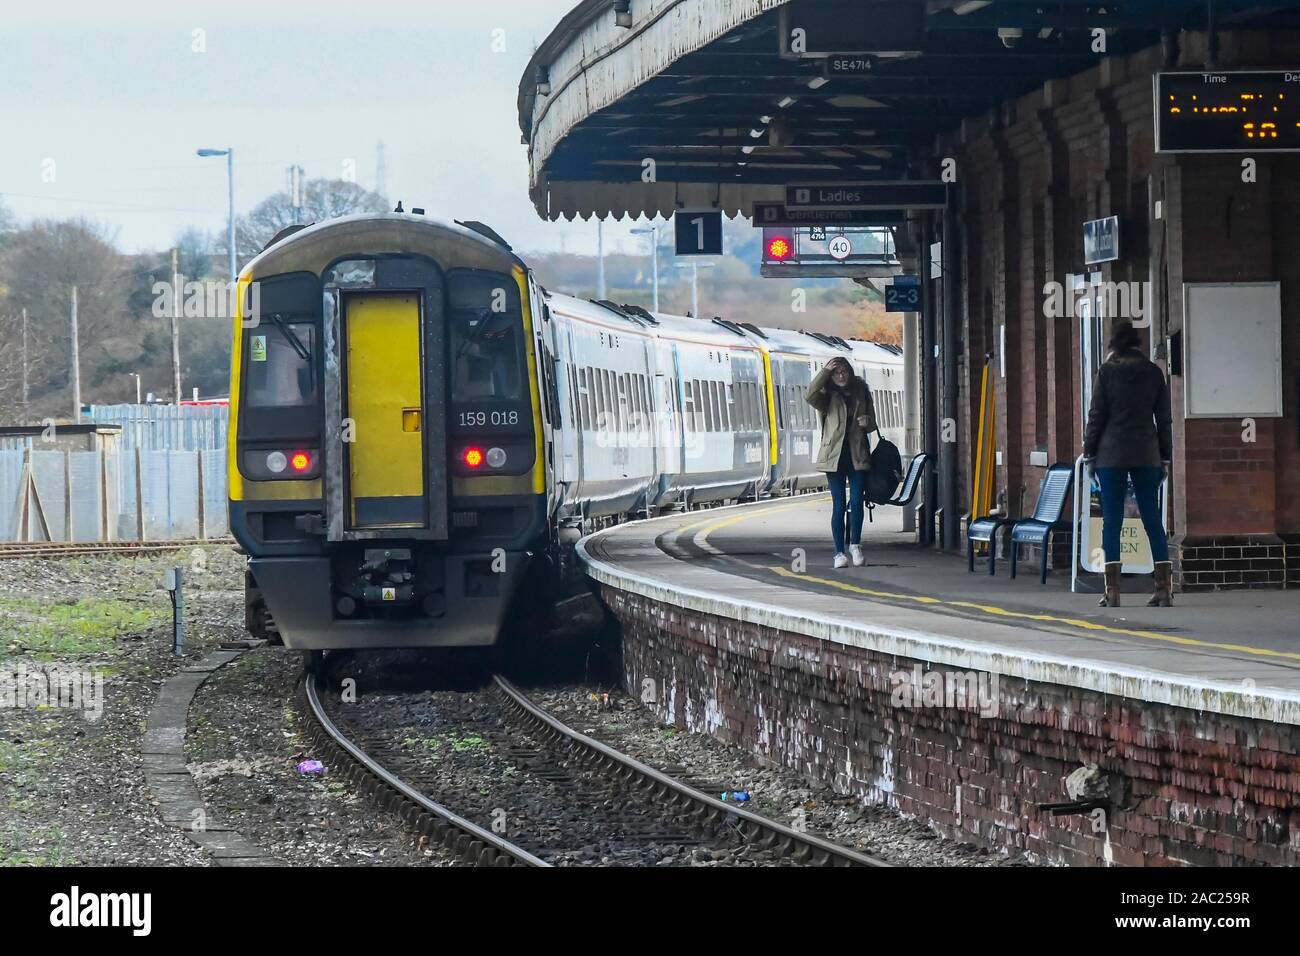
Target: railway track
pixel 58 549
pixel 566 788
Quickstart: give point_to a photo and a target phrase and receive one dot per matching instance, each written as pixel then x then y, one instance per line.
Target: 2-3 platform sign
pixel 903 294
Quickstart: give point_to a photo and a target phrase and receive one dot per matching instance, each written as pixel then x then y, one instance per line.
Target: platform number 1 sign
pixel 698 233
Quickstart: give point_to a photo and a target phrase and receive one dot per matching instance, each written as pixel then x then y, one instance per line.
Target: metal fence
pixel 164 480
pixel 165 427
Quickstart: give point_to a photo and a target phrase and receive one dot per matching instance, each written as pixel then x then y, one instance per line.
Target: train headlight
pixel 474 457
pixel 496 457
pixel 276 462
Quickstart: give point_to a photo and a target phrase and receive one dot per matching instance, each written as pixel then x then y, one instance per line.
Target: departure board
pixel 1227 112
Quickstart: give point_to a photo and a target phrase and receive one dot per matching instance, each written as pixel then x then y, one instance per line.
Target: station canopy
pixel 644 107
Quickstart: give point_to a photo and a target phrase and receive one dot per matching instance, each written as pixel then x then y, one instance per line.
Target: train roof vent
pixel 834 341
pixel 286 232
pixel 487 232
pixel 638 311
pixel 620 310
pixel 729 325
pixel 751 327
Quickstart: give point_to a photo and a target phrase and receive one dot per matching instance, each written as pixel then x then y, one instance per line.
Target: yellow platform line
pixel 994 610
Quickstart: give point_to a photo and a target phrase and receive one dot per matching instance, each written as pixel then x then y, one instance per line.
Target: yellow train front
pixel 386 472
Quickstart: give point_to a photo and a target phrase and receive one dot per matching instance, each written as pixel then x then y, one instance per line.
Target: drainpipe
pixel 948 451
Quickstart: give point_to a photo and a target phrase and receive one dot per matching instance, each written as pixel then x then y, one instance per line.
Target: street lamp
pixel 136 376
pixel 229 153
pixel 653 233
pixel 696 266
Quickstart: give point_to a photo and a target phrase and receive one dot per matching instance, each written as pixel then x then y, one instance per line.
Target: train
pixel 420 432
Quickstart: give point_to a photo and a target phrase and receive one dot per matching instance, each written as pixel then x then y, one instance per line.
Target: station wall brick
pixel 1032 171
pixel 1189 788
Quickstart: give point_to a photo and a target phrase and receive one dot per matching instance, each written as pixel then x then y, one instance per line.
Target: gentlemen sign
pixel 900 194
pixel 1228 112
pixel 779 214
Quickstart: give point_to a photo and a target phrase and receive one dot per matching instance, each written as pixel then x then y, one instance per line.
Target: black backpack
pixel 886 472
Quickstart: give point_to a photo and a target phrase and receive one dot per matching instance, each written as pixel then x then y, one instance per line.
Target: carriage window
pixel 280 365
pixel 584 397
pixel 485 316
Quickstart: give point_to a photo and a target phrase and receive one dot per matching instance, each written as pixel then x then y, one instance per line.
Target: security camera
pixel 1010 36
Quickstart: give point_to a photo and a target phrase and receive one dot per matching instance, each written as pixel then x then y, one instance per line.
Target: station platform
pixel 1231 652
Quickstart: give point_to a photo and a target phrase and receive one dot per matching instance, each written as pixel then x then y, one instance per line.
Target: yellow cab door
pixel 384 403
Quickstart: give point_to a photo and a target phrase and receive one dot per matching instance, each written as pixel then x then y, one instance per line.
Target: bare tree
pixel 322 199
pixel 39 266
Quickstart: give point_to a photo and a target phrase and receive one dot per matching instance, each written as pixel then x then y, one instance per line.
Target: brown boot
pixel 1111 597
pixel 1163 595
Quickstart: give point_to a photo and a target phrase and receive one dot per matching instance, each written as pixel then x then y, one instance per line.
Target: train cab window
pixel 280 365
pixel 485 316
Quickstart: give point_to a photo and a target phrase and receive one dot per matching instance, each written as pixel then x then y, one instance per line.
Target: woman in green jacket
pixel 848 415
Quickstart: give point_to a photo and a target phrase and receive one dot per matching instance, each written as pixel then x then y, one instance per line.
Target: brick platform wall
pixel 1234 561
pixel 1194 788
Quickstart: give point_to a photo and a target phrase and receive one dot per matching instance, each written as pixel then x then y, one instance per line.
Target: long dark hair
pixel 1124 338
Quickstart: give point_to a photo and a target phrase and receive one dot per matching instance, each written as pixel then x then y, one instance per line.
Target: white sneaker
pixel 841 560
pixel 855 552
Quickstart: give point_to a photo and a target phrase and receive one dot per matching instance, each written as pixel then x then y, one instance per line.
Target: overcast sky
pixel 114 95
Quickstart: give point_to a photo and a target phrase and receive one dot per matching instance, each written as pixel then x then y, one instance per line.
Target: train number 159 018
pixel 478 419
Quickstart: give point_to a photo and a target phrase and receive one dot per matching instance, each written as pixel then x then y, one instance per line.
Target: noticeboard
pixel 1232 349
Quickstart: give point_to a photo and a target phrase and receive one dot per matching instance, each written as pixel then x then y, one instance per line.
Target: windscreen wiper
pixel 291 337
pixel 474 336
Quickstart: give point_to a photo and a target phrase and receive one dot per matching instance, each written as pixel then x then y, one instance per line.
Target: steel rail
pixel 61 549
pixel 804 847
pixel 466 839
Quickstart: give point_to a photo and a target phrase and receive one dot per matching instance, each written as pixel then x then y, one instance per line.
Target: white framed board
pixel 1232 349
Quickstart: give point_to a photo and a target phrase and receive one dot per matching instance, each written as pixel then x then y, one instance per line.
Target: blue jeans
pixel 856 481
pixel 1146 489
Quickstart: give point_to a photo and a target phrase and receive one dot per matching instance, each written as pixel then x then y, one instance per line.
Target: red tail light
pixel 474 457
pixel 300 461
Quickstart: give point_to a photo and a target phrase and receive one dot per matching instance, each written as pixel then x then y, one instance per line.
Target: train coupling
pixel 387 574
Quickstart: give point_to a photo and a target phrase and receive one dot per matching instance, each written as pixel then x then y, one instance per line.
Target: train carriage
pixel 387 474
pixel 419 432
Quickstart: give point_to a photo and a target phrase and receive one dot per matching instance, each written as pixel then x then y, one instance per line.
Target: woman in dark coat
pixel 847 416
pixel 1130 436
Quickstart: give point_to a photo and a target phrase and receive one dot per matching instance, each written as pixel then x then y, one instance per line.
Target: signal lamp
pixel 779 249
